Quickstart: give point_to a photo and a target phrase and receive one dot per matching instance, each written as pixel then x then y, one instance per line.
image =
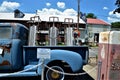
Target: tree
pixel 115 24
pixel 91 15
pixel 118 5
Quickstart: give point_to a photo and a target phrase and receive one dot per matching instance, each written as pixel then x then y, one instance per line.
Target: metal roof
pixel 43 17
pixel 96 21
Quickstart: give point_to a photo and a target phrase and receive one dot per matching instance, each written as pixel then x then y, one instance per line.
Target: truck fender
pixel 72 58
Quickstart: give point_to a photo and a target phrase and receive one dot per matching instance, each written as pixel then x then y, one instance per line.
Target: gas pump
pixel 33 29
pixel 69 31
pixel 72 34
pixel 109 56
pixel 53 31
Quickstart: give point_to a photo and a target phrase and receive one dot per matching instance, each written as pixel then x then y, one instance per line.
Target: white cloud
pixel 48 4
pixel 8 6
pixel 105 8
pixel 113 17
pixel 52 11
pixel 70 12
pixel 61 5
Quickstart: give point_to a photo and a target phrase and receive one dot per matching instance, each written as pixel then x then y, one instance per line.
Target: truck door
pixel 5 45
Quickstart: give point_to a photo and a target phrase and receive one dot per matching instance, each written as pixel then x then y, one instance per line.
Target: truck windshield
pixel 5 32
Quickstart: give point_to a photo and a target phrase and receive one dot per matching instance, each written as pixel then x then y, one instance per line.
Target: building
pixel 95 26
pixel 45 22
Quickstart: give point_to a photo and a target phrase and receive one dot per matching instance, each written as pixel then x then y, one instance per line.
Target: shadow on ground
pixel 82 77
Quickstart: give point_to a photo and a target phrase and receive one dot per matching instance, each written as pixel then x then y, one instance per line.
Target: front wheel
pixel 55 73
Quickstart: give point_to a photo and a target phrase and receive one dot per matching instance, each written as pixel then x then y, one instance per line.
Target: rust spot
pixel 5 48
pixel 104 37
pixel 118 57
pixel 5 62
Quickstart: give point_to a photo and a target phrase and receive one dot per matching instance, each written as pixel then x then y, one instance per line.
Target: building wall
pixel 94 30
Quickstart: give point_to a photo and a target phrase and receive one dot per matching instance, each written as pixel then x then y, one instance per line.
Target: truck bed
pixel 82 50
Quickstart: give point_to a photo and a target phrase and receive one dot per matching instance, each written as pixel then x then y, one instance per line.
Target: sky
pixel 103 9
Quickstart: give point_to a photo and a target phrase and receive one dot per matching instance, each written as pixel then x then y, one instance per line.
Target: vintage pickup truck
pixel 16 56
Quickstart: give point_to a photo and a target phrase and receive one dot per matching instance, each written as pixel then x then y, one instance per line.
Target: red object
pixel 109 56
pixel 76 32
pixel 96 21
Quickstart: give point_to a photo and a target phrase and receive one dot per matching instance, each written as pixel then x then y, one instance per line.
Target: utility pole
pixel 78 15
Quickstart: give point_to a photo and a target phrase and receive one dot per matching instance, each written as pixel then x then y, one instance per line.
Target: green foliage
pixel 91 15
pixel 115 25
pixel 117 3
pixel 118 7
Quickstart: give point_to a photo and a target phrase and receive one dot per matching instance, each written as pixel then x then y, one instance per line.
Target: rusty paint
pixel 5 49
pixel 5 62
pixel 118 57
pixel 105 37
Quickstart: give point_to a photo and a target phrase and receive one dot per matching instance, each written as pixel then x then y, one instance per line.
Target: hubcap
pixel 52 75
pixel 55 75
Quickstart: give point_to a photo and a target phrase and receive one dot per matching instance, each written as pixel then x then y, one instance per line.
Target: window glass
pixel 5 32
